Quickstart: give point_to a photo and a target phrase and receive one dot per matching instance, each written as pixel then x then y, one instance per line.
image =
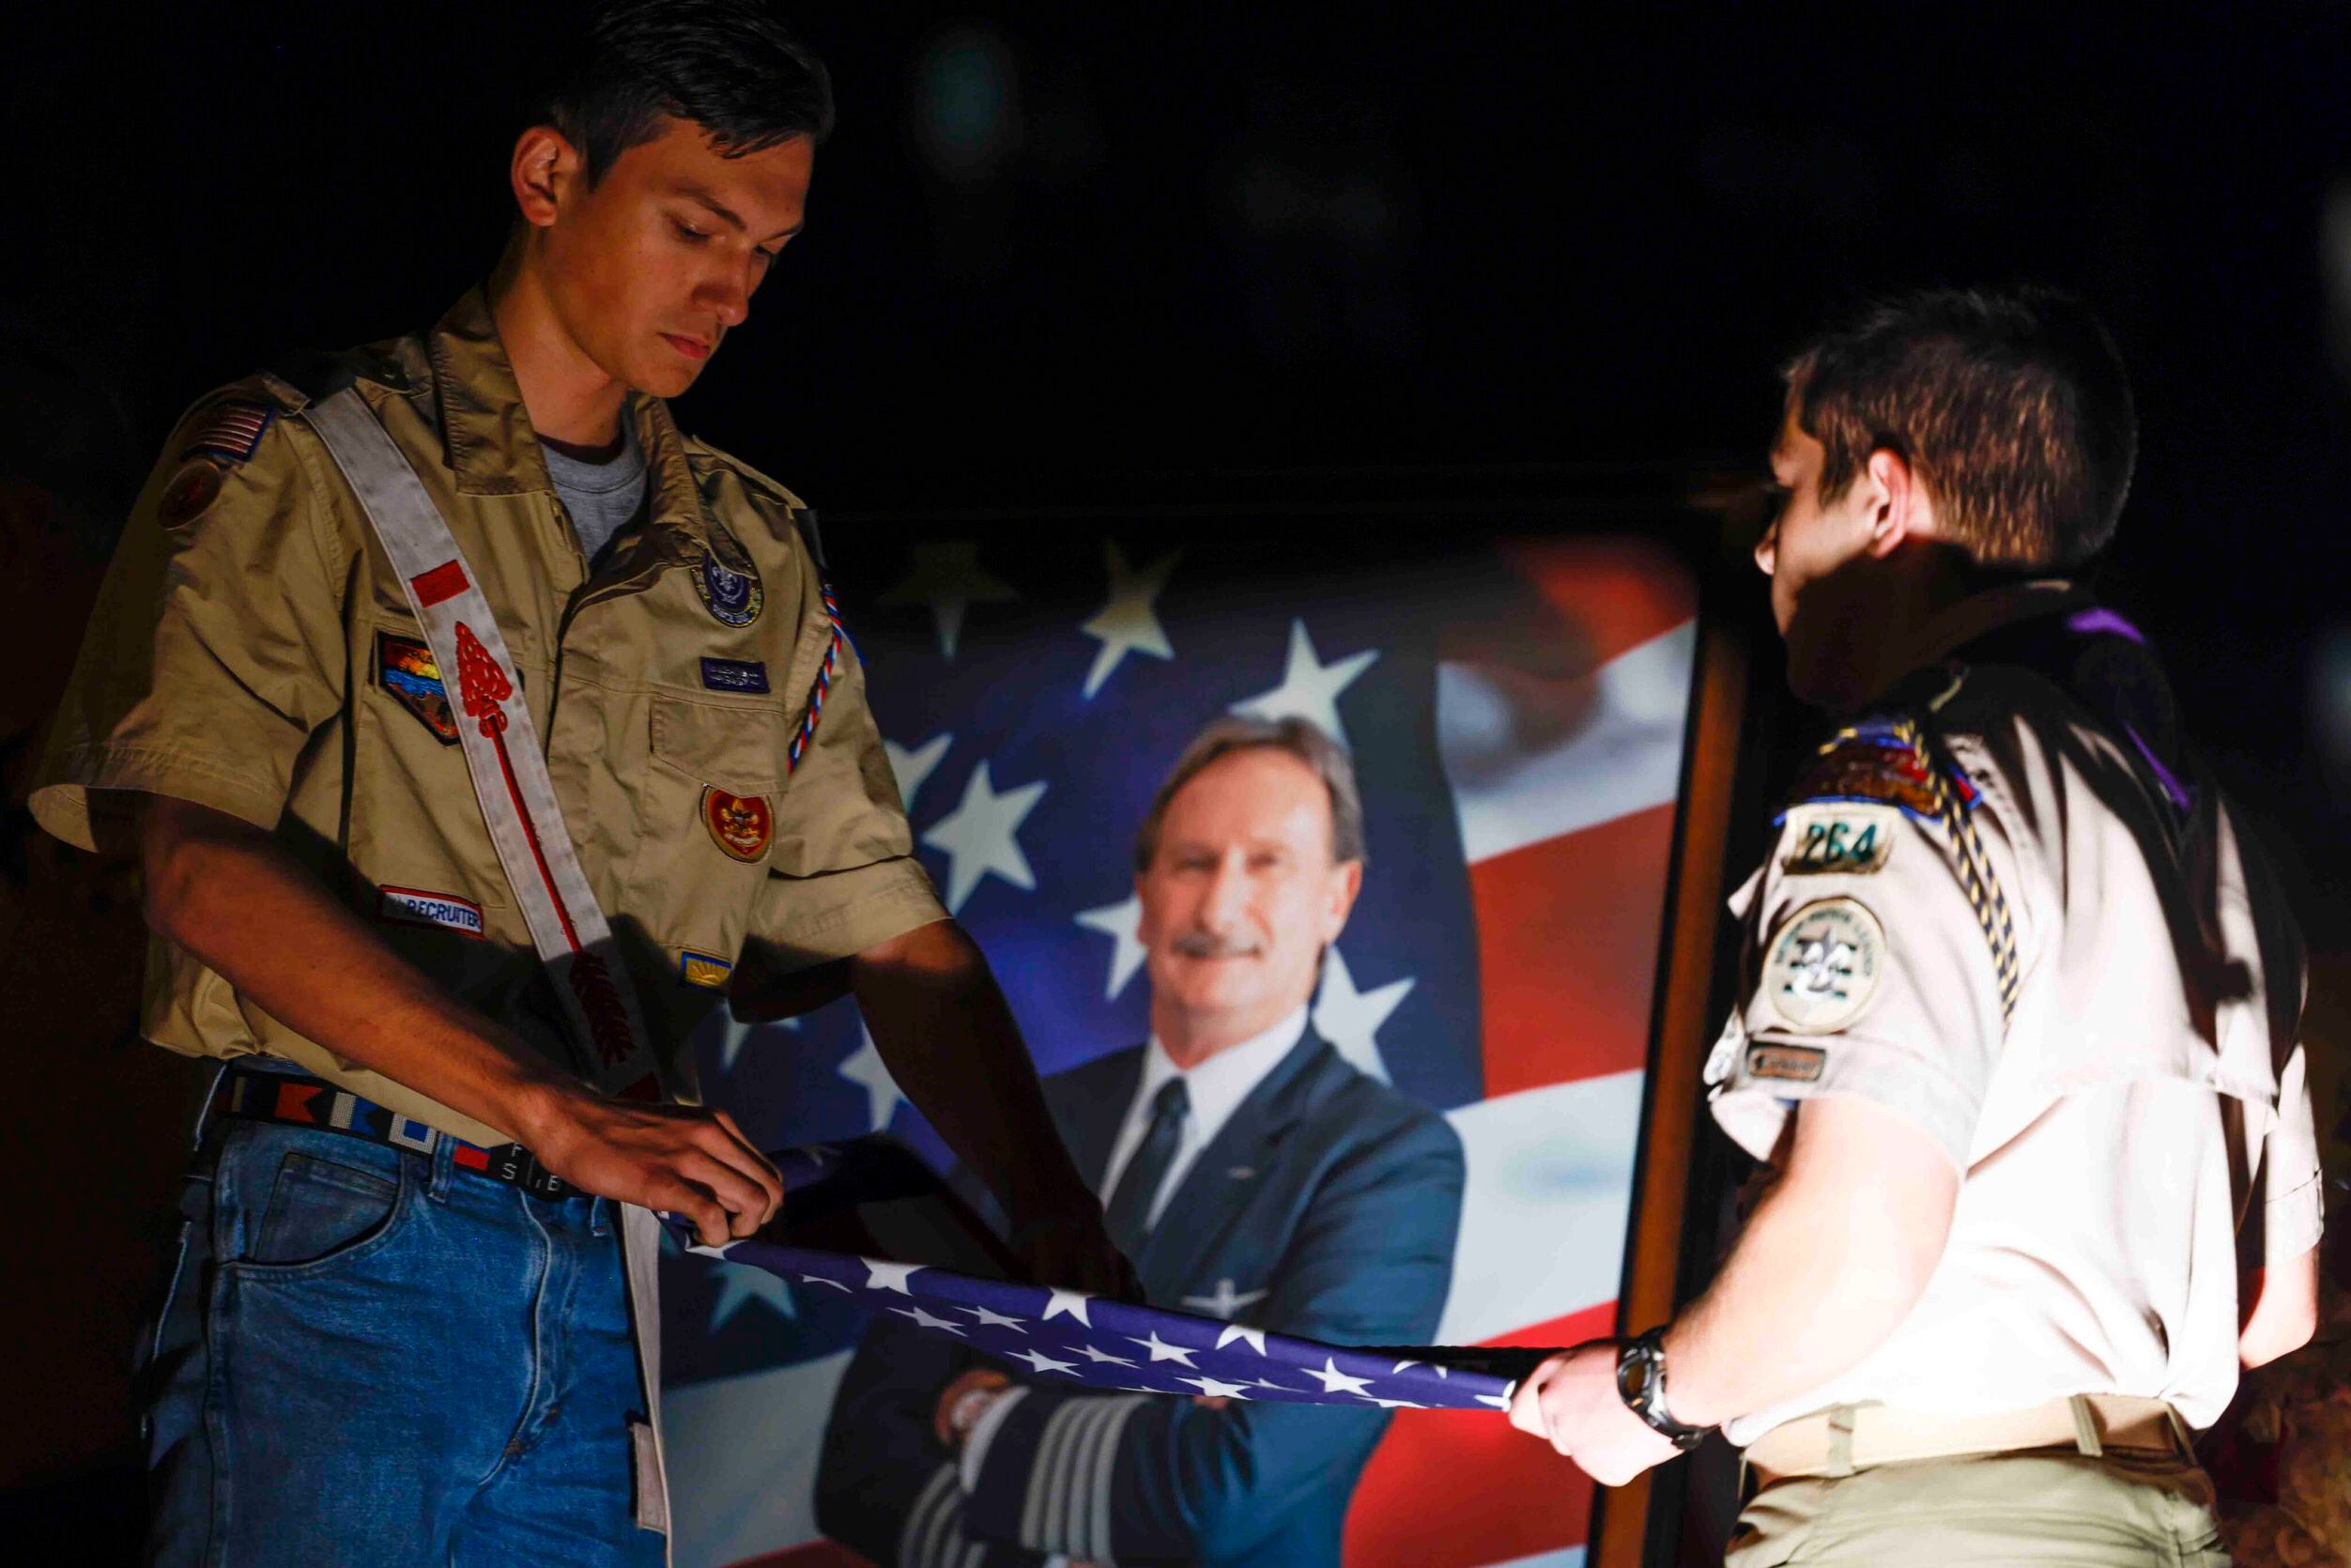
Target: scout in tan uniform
pixel 403 1330
pixel 2018 1016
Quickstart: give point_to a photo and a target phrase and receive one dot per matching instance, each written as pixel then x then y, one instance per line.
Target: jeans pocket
pixel 321 1210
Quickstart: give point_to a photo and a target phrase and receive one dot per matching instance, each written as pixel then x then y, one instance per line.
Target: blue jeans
pixel 372 1356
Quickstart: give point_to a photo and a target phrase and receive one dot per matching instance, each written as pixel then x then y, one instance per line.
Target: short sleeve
pixel 1866 971
pixel 2294 1209
pixel 215 647
pixel 842 874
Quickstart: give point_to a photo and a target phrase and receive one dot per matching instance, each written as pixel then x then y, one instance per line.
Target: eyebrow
pixel 703 197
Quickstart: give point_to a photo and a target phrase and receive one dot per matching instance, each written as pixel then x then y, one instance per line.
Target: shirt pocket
pixel 708 819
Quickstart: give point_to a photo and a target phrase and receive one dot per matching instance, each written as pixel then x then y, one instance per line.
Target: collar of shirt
pixel 1957 626
pixel 494 451
pixel 1215 1090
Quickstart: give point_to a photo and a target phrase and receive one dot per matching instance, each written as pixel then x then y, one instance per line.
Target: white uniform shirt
pixel 1215 1088
pixel 2147 1094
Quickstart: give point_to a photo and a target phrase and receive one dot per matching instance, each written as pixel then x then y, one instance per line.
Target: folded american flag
pixel 1090 1339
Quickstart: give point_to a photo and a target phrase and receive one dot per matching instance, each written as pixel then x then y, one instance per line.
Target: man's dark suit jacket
pixel 1331 1192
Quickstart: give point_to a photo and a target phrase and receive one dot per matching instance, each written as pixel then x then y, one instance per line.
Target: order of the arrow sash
pixel 502 747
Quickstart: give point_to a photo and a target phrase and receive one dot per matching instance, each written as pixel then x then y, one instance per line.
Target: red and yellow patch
pixel 195 487
pixel 739 824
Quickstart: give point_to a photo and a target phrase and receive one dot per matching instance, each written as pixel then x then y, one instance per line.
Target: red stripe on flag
pixel 1567 951
pixel 813 1554
pixel 1451 1488
pixel 1614 594
pixel 470 1157
pixel 293 1102
pixel 445 581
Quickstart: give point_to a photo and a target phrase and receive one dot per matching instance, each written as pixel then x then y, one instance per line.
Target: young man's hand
pixel 1571 1400
pixel 687 1159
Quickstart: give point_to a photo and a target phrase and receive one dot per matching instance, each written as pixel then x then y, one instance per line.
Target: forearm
pixel 233 897
pixel 949 1041
pixel 1827 1268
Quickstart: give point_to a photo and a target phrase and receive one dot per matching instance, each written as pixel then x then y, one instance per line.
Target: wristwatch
pixel 1640 1381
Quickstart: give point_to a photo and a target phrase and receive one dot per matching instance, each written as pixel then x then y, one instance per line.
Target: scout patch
pixel 230 431
pixel 1823 965
pixel 734 675
pixel 1824 836
pixel 729 589
pixel 195 487
pixel 1796 1064
pixel 1882 761
pixel 703 969
pixel 405 667
pixel 739 824
pixel 409 906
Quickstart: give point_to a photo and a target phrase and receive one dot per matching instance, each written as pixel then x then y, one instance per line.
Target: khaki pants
pixel 2136 1509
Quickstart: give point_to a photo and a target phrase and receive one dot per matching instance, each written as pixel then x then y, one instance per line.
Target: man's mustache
pixel 1202 945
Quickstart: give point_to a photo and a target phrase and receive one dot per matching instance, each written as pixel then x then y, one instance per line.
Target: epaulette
pixel 802 514
pixel 314 375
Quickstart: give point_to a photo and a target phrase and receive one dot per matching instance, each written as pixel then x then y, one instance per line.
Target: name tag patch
pixel 734 675
pixel 409 906
pixel 1823 838
pixel 703 969
pixel 406 671
pixel 1796 1064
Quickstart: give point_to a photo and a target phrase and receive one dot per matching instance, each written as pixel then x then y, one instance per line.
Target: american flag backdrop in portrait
pixel 1516 717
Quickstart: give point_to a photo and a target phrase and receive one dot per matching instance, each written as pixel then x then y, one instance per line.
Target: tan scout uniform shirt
pixel 253 652
pixel 2147 1098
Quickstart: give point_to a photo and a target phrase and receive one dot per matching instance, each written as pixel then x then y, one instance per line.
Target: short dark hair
pixel 727 66
pixel 2014 408
pixel 1303 739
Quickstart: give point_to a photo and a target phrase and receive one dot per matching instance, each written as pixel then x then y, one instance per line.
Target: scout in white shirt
pixel 2017 1017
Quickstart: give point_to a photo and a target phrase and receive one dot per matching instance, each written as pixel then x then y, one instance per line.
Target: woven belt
pixel 2091 1424
pixel 297 1099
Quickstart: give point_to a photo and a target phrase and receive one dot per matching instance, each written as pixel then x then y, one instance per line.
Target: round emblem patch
pixel 192 489
pixel 732 596
pixel 1823 965
pixel 739 824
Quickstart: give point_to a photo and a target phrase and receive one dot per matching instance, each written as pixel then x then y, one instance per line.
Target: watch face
pixel 1632 1376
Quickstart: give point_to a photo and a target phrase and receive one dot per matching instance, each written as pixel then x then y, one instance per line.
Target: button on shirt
pixel 2147 1090
pixel 1215 1088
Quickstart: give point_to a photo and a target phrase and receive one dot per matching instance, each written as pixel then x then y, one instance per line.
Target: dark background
pixel 1124 251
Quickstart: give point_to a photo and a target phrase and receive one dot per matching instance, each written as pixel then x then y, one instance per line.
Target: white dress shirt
pixel 1215 1088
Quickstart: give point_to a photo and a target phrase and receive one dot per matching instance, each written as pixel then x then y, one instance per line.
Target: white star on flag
pixel 949 578
pixel 1350 1019
pixel 739 1286
pixel 1128 625
pixel 997 1320
pixel 910 767
pixel 1121 923
pixel 1100 1358
pixel 1211 1388
pixel 865 1069
pixel 1335 1381
pixel 818 1279
pixel 1394 1404
pixel 1254 1338
pixel 1162 1351
pixel 1070 1302
pixel 1498 1401
pixel 1043 1362
pixel 888 1276
pixel 1309 689
pixel 736 1034
pixel 924 1320
pixel 981 836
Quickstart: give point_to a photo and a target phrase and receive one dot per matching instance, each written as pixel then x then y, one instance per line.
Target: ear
pixel 1145 928
pixel 542 171
pixel 1898 504
pixel 1347 881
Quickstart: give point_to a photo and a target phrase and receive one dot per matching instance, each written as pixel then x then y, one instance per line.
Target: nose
pixel 1227 894
pixel 1767 549
pixel 727 295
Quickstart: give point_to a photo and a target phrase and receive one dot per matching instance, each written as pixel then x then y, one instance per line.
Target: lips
pixel 693 348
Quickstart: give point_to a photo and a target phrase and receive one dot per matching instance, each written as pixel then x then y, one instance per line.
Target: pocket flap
pixel 739 748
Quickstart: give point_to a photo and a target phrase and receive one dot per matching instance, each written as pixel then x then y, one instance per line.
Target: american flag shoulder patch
pixel 231 430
